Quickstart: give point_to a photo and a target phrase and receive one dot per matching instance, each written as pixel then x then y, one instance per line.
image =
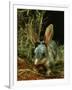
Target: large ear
pixel 48 34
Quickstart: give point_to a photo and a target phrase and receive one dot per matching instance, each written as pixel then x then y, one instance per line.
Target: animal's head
pixel 41 51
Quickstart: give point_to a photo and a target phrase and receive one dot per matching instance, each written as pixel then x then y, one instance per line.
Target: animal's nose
pixel 36 61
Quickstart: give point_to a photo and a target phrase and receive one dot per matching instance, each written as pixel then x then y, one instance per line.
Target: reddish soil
pixel 27 71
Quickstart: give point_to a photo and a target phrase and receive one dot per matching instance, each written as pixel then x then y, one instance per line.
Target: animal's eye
pixel 37 43
pixel 43 54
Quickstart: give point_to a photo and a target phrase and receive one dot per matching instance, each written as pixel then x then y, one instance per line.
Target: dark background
pixel 57 19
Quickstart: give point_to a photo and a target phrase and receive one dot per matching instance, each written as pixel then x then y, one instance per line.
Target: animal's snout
pixel 40 62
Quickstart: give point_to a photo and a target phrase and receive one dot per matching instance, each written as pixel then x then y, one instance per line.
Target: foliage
pixel 29 23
